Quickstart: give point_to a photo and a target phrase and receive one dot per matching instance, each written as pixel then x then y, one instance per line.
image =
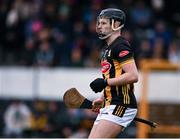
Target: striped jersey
pixel 113 58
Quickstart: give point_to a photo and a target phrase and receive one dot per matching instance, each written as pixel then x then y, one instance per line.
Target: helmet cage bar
pixel 118 28
pixel 112 22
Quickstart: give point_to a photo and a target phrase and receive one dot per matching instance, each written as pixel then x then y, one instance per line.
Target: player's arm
pixel 130 75
pixel 124 55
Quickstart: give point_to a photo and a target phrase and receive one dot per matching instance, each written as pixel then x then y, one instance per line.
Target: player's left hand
pixel 98 84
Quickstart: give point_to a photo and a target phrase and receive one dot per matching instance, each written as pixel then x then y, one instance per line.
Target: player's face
pixel 103 26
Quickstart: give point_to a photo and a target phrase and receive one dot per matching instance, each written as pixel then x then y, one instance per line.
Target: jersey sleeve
pixel 123 53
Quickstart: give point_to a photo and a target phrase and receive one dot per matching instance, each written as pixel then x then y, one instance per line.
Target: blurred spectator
pixel 45 53
pixel 55 121
pixel 91 12
pixel 145 51
pixel 158 49
pixel 33 27
pixel 141 15
pixel 127 35
pixel 158 8
pixel 78 29
pixel 94 58
pixel 174 53
pixel 126 6
pixel 13 35
pixel 91 51
pixel 17 119
pixel 13 16
pixel 28 53
pixel 76 58
pixel 49 13
pixel 62 33
pixel 75 117
pixel 161 31
pixel 39 119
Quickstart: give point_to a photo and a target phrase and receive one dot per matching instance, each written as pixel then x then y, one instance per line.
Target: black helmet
pixel 112 13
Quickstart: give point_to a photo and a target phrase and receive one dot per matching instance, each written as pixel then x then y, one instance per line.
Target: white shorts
pixel 118 114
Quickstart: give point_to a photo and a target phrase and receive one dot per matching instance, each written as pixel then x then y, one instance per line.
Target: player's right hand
pixel 97 104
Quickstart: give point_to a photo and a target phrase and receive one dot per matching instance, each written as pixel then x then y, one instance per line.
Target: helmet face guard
pixel 105 34
pixel 113 15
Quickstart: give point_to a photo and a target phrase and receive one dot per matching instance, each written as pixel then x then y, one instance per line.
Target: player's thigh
pixel 93 130
pixel 106 129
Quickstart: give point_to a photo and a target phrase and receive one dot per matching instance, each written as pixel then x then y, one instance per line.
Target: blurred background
pixel 49 46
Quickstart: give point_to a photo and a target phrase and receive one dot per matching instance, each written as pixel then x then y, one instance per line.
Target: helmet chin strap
pixel 104 36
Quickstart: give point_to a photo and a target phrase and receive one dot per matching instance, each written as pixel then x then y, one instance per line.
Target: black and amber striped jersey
pixel 113 58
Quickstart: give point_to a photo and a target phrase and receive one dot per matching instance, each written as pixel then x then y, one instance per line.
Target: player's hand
pixel 97 104
pixel 98 84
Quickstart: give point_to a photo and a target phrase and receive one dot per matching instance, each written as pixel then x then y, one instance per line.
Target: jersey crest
pixel 106 66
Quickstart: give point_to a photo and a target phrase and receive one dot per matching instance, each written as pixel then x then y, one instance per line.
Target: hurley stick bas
pixel 73 99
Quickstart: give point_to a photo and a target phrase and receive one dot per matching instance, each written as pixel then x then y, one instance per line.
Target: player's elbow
pixel 134 78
